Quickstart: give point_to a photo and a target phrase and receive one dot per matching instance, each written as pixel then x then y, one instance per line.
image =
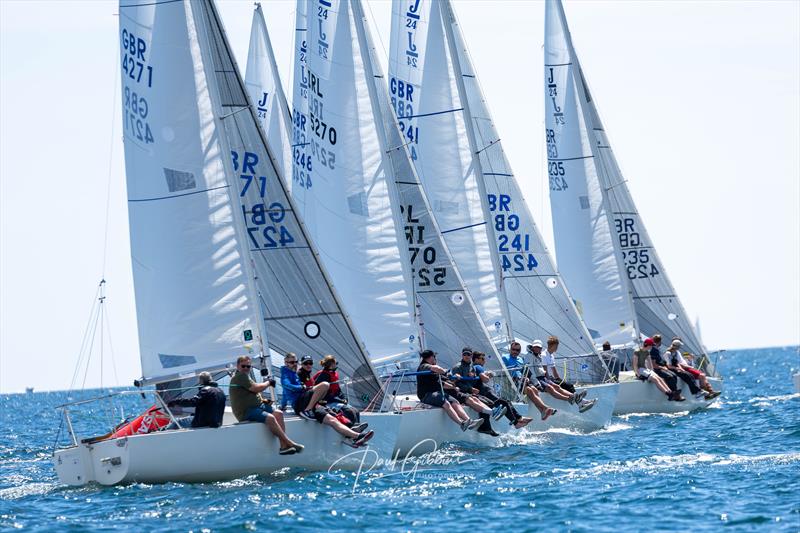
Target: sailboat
pixel 222 262
pixel 370 219
pixel 604 251
pixel 486 223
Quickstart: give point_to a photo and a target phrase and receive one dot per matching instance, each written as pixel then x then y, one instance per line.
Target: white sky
pixel 701 101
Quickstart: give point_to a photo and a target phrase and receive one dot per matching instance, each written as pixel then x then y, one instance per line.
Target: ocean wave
pixel 26 489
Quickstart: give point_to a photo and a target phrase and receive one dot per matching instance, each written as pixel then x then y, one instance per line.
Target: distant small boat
pixel 29 390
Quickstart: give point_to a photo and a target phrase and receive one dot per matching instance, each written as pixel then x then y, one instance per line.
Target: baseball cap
pixel 538 343
pixel 424 354
pixel 648 341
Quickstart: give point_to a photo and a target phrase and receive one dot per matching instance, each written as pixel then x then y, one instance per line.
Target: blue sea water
pixel 734 467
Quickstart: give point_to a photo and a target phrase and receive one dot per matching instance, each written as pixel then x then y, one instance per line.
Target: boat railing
pixel 115 414
pixel 585 369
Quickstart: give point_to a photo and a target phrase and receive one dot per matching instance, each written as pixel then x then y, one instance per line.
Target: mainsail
pixel 266 93
pixel 344 189
pixel 436 92
pixel 425 97
pixel 624 261
pixel 211 218
pixel 383 204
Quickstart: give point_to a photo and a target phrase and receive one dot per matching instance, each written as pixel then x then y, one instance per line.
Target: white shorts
pixel 645 373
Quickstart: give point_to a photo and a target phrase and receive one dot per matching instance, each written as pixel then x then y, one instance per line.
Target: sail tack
pixel 610 223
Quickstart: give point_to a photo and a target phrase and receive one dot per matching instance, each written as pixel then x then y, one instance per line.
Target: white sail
pixel 193 300
pixel 585 244
pixel 217 136
pixel 445 310
pixel 440 90
pixel 425 97
pixel 372 222
pixel 657 307
pixel 266 93
pixel 346 197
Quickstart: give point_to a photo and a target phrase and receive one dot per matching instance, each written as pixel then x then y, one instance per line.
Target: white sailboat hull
pixel 215 454
pixel 636 396
pixel 425 429
pixel 796 379
pixel 568 416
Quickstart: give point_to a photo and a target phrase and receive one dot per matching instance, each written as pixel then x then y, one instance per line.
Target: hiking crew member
pixel 335 399
pixel 431 391
pixel 488 395
pixel 546 384
pixel 611 360
pixel 248 405
pixel 642 368
pixel 682 363
pixel 467 381
pixel 659 365
pixel 549 362
pixel 209 406
pixel 522 378
pixel 304 402
pixel 304 373
pixel 673 359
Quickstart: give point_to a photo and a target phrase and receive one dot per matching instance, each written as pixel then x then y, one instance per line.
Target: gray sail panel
pixel 300 309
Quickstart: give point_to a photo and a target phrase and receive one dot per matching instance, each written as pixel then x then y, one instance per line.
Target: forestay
pixel 266 93
pixel 445 309
pixel 585 245
pixel 657 307
pixel 539 303
pixel 266 240
pixel 194 305
pixel 425 97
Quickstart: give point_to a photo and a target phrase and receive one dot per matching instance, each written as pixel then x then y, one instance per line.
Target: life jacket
pixel 332 377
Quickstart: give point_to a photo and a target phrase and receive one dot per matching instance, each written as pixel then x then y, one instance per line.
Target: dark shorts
pixel 541 382
pixel 460 397
pixel 436 399
pixel 301 403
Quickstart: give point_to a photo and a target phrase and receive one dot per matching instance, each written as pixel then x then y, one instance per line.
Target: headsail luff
pixel 657 308
pixel 300 310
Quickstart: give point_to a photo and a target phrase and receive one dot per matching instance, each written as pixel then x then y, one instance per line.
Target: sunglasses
pixel 308 363
pixel 291 362
pixel 245 366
